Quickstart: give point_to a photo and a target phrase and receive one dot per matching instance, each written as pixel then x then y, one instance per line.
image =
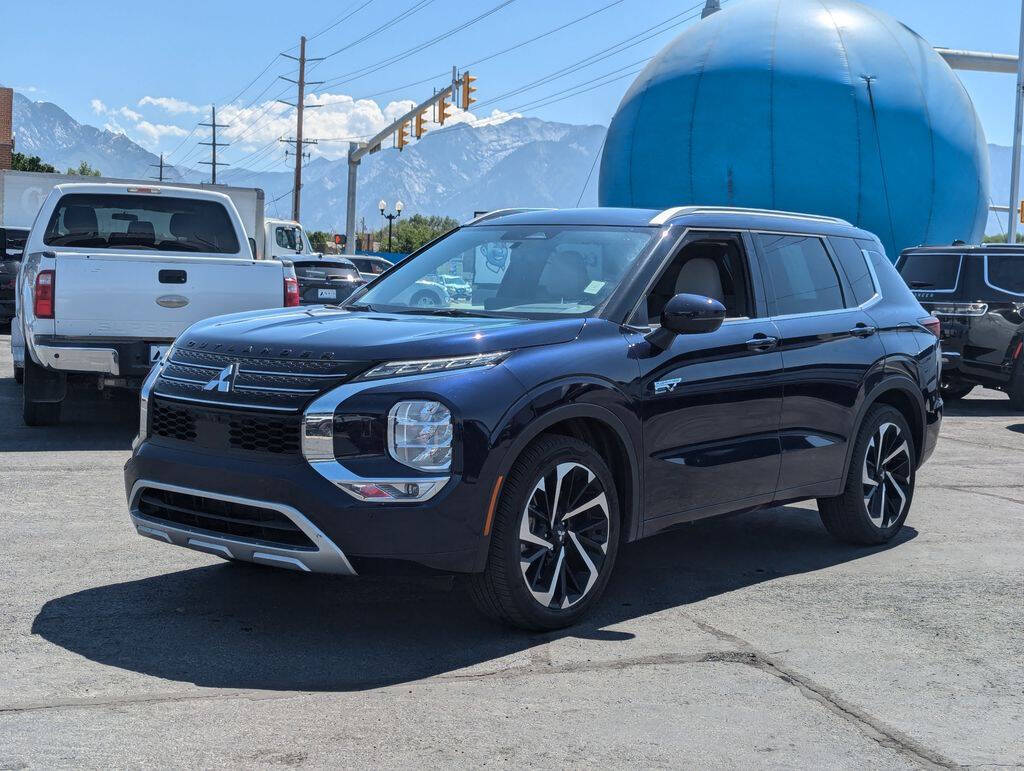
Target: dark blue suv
pixel 612 373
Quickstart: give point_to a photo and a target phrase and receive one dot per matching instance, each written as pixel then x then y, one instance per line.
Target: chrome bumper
pixel 78 359
pixel 326 558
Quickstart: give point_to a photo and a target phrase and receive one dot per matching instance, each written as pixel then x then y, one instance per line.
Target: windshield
pixel 104 220
pixel 292 238
pixel 522 270
pixel 935 272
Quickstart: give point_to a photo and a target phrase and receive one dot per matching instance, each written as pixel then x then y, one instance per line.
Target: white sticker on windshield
pixel 594 287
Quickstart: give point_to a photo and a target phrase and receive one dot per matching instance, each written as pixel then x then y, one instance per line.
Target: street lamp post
pixel 390 216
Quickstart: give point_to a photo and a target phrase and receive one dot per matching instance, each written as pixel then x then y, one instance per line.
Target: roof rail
pixel 677 211
pixel 502 212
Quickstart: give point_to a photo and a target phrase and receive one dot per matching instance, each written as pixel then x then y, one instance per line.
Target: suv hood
pixel 324 332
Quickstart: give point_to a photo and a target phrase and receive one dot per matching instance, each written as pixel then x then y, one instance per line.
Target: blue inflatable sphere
pixel 823 106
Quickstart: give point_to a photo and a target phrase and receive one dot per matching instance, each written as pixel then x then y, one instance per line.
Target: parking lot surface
pixel 748 640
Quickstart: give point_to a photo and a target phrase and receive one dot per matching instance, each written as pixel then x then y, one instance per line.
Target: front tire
pixel 1016 389
pixel 879 482
pixel 555 538
pixel 425 299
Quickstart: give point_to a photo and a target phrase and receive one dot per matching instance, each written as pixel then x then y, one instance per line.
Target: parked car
pixel 370 267
pixel 112 274
pixel 978 293
pixel 457 287
pixel 631 371
pixel 326 279
pixel 12 246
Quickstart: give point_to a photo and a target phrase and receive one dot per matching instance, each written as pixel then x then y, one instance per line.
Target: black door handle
pixel 761 342
pixel 172 276
pixel 863 330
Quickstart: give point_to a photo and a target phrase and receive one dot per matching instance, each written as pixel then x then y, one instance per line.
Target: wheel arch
pixel 600 428
pixel 902 393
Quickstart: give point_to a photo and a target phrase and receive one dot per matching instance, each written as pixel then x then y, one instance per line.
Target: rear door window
pixel 143 222
pixel 854 263
pixel 931 272
pixel 800 275
pixel 1005 272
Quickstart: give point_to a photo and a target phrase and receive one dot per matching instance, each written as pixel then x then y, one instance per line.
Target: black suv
pixel 616 372
pixel 978 294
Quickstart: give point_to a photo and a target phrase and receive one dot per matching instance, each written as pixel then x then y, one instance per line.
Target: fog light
pixel 420 435
pixel 398 491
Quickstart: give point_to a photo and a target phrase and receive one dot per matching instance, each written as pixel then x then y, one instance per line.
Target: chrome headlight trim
pixel 317 441
pixel 147 388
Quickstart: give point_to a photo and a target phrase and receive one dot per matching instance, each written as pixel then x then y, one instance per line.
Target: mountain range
pixel 452 171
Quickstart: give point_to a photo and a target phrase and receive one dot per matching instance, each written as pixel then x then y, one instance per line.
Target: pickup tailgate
pixel 135 296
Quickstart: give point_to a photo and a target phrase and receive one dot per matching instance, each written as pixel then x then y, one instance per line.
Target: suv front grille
pixel 277 385
pixel 225 430
pixel 238 520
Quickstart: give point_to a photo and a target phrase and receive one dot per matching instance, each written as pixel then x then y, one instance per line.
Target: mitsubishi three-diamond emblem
pixel 225 380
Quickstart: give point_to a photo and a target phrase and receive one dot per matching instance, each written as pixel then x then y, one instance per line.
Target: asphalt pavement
pixel 753 640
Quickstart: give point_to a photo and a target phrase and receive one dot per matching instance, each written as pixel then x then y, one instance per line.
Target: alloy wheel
pixel 563 535
pixel 886 475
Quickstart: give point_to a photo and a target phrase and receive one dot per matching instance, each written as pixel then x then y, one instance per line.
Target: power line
pixel 592 167
pixel 419 5
pixel 345 16
pixel 371 68
pixel 213 163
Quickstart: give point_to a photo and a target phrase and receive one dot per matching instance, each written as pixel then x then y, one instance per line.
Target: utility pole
pixel 1011 225
pixel 213 163
pixel 710 7
pixel 399 128
pixel 160 166
pixel 299 107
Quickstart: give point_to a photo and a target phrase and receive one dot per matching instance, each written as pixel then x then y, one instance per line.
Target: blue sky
pixel 152 68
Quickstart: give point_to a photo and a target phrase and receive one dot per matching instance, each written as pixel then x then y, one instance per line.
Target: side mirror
pixel 687 314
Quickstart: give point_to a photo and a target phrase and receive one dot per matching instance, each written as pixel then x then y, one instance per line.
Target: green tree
pixel 319 239
pixel 1000 238
pixel 409 234
pixel 22 162
pixel 84 170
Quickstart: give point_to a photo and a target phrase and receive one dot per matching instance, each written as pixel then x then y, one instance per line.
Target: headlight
pixel 420 366
pixel 420 435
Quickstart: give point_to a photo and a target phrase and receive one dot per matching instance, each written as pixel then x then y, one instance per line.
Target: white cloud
pixel 98 107
pixel 127 113
pixel 154 132
pixel 27 89
pixel 339 116
pixel 170 104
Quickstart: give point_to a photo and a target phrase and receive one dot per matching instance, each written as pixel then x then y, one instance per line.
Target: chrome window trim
pixel 327 558
pixel 988 283
pixel 956 283
pixel 318 449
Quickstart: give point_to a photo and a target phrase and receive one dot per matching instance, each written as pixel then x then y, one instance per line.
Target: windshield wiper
pixel 920 284
pixel 362 307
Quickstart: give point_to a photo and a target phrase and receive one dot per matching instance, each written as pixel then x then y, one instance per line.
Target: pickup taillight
pixel 291 291
pixel 42 295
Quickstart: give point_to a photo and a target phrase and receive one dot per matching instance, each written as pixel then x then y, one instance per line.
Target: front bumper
pixel 444 533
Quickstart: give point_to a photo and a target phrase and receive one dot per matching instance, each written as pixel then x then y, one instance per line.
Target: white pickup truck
pixel 113 273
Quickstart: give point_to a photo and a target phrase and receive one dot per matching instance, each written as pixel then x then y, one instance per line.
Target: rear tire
pixel 34 411
pixel 879 481
pixel 545 570
pixel 425 299
pixel 951 392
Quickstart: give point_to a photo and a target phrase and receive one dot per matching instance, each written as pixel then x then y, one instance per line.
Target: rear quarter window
pixel 1005 272
pixel 854 263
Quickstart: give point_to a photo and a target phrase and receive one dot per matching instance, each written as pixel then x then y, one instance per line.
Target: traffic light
pixel 442 109
pixel 403 135
pixel 468 89
pixel 419 129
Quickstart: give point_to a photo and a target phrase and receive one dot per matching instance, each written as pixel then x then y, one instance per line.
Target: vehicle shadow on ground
pixel 89 421
pixel 980 408
pixel 236 626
